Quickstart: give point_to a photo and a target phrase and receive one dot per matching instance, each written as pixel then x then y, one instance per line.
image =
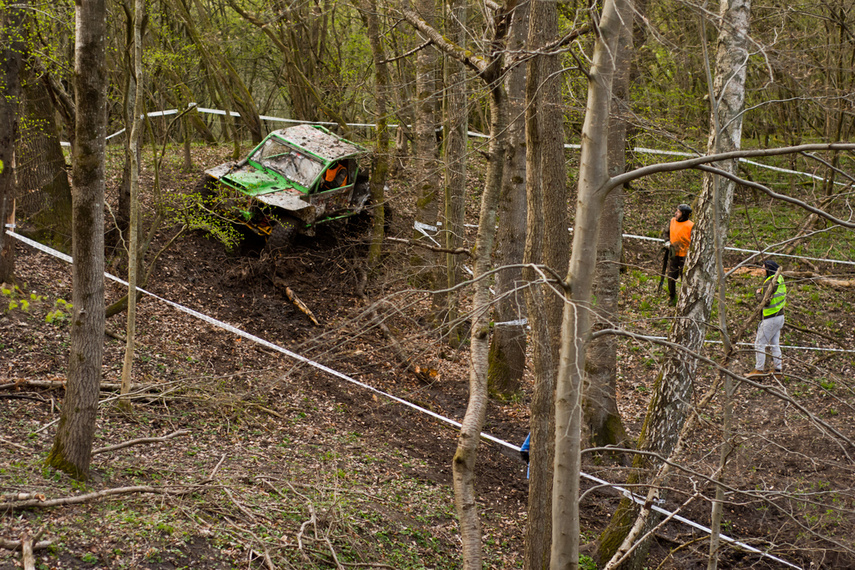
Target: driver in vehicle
pixel 334 177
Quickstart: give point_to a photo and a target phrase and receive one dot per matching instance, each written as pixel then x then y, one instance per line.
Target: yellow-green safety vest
pixel 778 299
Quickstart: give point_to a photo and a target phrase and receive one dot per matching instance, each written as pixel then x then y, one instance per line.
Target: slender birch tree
pixel 490 69
pixel 672 392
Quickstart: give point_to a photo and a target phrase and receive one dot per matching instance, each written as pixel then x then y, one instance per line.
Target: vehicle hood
pixel 252 181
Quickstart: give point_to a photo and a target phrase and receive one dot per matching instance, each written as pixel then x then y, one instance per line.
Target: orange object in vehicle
pixel 332 173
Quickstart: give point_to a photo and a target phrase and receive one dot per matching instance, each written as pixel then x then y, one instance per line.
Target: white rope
pixel 824 259
pixel 225 326
pixel 470 133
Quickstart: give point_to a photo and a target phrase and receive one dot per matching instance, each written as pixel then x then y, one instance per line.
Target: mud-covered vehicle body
pixel 295 179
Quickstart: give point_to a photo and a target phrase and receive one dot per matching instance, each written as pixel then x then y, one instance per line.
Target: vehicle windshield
pixel 289 162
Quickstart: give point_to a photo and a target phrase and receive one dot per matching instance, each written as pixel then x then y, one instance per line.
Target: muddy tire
pixel 282 236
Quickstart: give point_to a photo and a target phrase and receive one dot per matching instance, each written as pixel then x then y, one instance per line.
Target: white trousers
pixel 768 335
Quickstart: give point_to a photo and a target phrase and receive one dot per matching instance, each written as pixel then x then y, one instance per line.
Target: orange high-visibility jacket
pixel 333 171
pixel 680 234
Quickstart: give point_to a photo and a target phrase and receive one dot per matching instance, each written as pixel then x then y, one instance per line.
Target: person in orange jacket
pixel 678 236
pixel 334 177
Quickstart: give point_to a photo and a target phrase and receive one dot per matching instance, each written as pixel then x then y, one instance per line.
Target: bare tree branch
pixel 139 442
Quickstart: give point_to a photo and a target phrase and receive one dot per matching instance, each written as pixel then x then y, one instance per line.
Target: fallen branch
pixel 13 497
pixel 28 560
pixel 139 442
pixel 17 544
pixel 301 305
pixel 13 444
pixel 822 280
pixel 78 499
pixel 107 386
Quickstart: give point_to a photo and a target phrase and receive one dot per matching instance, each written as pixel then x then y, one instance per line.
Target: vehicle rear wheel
pixel 282 236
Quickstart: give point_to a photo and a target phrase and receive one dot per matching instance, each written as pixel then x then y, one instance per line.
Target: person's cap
pixel 685 208
pixel 771 265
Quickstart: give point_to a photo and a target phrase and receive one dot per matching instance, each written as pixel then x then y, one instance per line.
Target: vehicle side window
pixel 336 176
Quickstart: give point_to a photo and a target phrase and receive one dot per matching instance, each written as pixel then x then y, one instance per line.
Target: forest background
pixel 765 82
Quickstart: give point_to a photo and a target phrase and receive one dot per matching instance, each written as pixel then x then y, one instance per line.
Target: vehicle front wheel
pixel 282 236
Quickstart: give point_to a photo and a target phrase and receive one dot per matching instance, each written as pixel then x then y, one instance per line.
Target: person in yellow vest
pixel 769 329
pixel 678 236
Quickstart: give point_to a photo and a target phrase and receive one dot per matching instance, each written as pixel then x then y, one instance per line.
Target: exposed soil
pixel 284 454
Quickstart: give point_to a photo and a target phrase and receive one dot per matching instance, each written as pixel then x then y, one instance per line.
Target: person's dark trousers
pixel 675 271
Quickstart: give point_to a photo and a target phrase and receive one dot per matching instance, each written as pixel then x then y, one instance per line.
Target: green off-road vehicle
pixel 295 179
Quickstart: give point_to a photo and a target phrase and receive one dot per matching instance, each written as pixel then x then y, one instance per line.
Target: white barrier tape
pixel 516 323
pixel 225 326
pixel 642 500
pixel 841 261
pixel 423 229
pixel 470 133
pixel 750 344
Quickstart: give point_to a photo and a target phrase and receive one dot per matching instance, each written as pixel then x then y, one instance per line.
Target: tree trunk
pixel 602 418
pixel 12 42
pixel 672 392
pixel 45 199
pixel 575 330
pixel 550 109
pixel 133 240
pixel 72 447
pixel 544 358
pixel 476 409
pixel 380 160
pixel 463 465
pixel 455 148
pixel 123 213
pixel 508 346
pixel 424 163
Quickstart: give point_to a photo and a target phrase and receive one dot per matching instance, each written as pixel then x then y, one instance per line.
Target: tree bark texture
pixel 508 345
pixel 425 166
pixel 11 61
pixel 575 329
pixel 380 159
pixel 44 189
pixel 602 419
pixel 550 108
pixel 134 206
pixel 72 445
pixel 673 388
pixel 476 409
pixel 544 359
pixel 455 154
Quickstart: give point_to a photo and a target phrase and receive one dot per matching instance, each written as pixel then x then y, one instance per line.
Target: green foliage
pixel 199 214
pixel 60 313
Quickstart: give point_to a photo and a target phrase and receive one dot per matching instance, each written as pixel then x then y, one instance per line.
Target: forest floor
pixel 269 461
